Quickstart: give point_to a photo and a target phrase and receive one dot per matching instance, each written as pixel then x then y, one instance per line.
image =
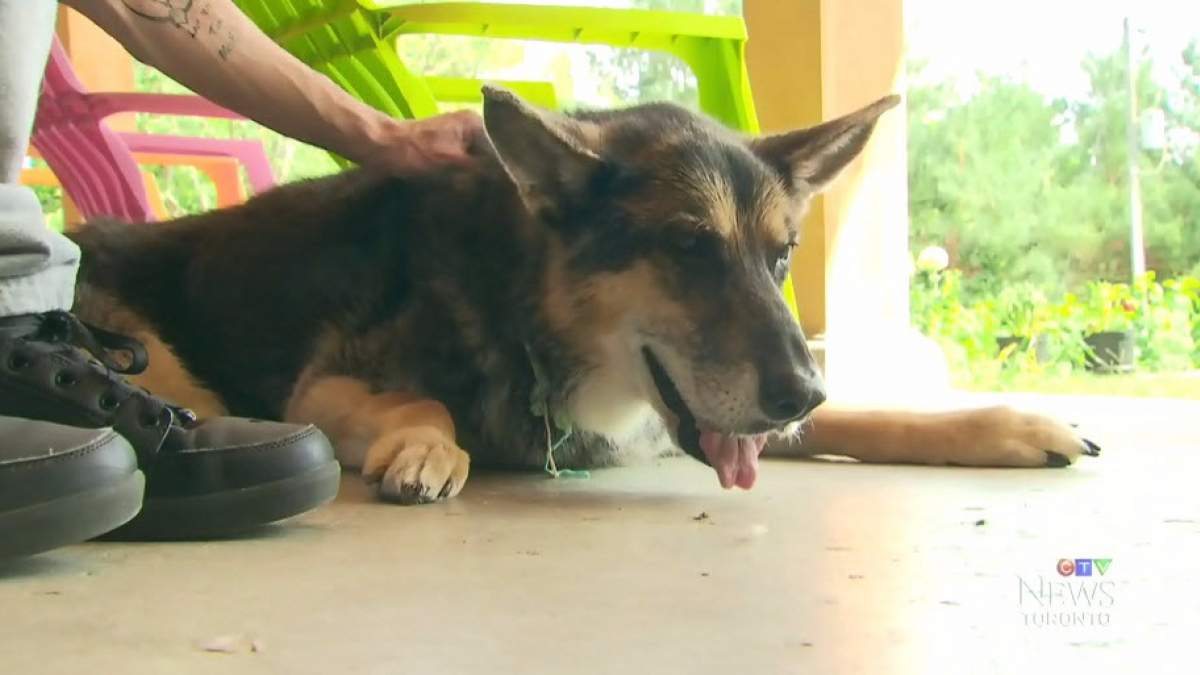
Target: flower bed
pixel 1148 326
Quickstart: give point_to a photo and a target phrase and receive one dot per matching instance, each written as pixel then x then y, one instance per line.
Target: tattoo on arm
pixel 197 18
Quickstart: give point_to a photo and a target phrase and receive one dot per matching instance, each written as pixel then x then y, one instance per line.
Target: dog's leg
pixel 404 445
pixel 985 437
pixel 165 375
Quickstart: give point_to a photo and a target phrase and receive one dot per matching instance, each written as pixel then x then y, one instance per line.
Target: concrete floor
pixel 825 567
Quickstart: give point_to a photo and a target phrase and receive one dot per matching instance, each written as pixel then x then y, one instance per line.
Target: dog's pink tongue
pixel 735 458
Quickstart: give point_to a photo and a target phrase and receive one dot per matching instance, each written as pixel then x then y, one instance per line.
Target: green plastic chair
pixel 468 90
pixel 713 47
pixel 352 42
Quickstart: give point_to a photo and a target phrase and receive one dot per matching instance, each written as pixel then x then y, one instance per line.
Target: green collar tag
pixel 539 405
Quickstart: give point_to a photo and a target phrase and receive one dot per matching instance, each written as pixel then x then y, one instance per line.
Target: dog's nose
pixel 790 395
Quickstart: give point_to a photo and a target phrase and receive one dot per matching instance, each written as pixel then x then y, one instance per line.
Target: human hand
pixel 408 146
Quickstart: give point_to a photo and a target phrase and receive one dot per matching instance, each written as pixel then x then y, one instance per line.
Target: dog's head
pixel 668 239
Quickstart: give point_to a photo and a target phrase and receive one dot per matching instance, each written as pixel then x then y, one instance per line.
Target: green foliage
pixel 1019 310
pixel 1110 307
pixel 1030 197
pixel 965 333
pixel 1020 187
pixel 639 76
pixel 1164 318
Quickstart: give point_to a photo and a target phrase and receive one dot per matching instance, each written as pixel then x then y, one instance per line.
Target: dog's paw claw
pixel 1055 460
pixel 414 493
pixel 1091 449
pixel 416 466
pixel 407 495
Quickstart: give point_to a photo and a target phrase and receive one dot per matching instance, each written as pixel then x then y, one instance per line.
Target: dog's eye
pixel 785 253
pixel 688 243
pixel 784 257
pixel 692 243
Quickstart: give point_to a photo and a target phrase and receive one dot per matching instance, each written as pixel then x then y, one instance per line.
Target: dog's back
pixel 240 294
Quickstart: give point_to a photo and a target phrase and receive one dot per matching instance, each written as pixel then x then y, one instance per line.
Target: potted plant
pixel 1065 329
pixel 1109 334
pixel 1021 311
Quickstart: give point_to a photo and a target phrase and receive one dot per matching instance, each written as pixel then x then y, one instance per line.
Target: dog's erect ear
pixel 813 157
pixel 542 150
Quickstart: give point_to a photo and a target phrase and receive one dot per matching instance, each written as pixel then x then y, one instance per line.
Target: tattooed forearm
pixel 198 18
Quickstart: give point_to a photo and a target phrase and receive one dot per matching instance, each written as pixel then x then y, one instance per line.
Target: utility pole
pixel 1137 246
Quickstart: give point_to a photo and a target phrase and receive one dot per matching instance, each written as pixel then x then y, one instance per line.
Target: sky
pixel 1042 39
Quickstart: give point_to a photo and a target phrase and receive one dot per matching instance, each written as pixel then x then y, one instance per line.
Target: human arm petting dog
pixel 212 48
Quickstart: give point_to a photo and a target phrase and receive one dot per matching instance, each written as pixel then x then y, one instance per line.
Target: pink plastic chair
pixel 96 165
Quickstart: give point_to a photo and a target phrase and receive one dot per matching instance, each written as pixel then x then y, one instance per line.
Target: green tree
pixel 1170 197
pixel 1022 188
pixel 980 173
pixel 638 76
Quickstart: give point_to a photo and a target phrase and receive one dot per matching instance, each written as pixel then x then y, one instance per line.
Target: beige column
pixel 811 60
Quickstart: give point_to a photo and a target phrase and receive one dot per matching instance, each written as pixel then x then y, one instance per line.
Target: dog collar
pixel 556 421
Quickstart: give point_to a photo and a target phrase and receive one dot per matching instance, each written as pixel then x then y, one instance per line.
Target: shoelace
pixel 65 328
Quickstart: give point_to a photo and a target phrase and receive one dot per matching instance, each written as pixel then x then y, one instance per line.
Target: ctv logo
pixel 1077 596
pixel 1082 567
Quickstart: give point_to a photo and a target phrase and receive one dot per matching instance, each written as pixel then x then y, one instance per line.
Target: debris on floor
pixel 703 515
pixel 233 644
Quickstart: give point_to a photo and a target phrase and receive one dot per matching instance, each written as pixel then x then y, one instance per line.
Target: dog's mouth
pixel 733 456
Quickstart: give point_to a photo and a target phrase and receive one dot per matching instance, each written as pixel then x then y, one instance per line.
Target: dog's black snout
pixel 790 382
pixel 790 395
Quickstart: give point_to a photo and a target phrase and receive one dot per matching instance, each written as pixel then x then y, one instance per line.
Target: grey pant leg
pixel 37 265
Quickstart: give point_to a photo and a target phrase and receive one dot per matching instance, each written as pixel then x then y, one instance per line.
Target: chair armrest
pixel 646 29
pixel 184 105
pixel 249 152
pixel 470 90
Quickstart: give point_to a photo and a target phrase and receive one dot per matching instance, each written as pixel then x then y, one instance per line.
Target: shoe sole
pixel 68 520
pixel 225 513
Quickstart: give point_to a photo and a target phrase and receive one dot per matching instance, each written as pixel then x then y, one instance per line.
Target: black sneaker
pixel 62 485
pixel 203 479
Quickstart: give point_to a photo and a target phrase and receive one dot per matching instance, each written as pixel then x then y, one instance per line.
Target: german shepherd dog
pixel 600 286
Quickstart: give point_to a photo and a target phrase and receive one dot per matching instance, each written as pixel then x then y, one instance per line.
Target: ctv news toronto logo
pixel 1080 594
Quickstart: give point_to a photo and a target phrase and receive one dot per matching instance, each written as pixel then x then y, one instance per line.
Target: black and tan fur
pixel 400 314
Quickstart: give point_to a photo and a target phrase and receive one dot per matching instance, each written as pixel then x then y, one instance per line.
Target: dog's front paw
pixel 416 465
pixel 1004 437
